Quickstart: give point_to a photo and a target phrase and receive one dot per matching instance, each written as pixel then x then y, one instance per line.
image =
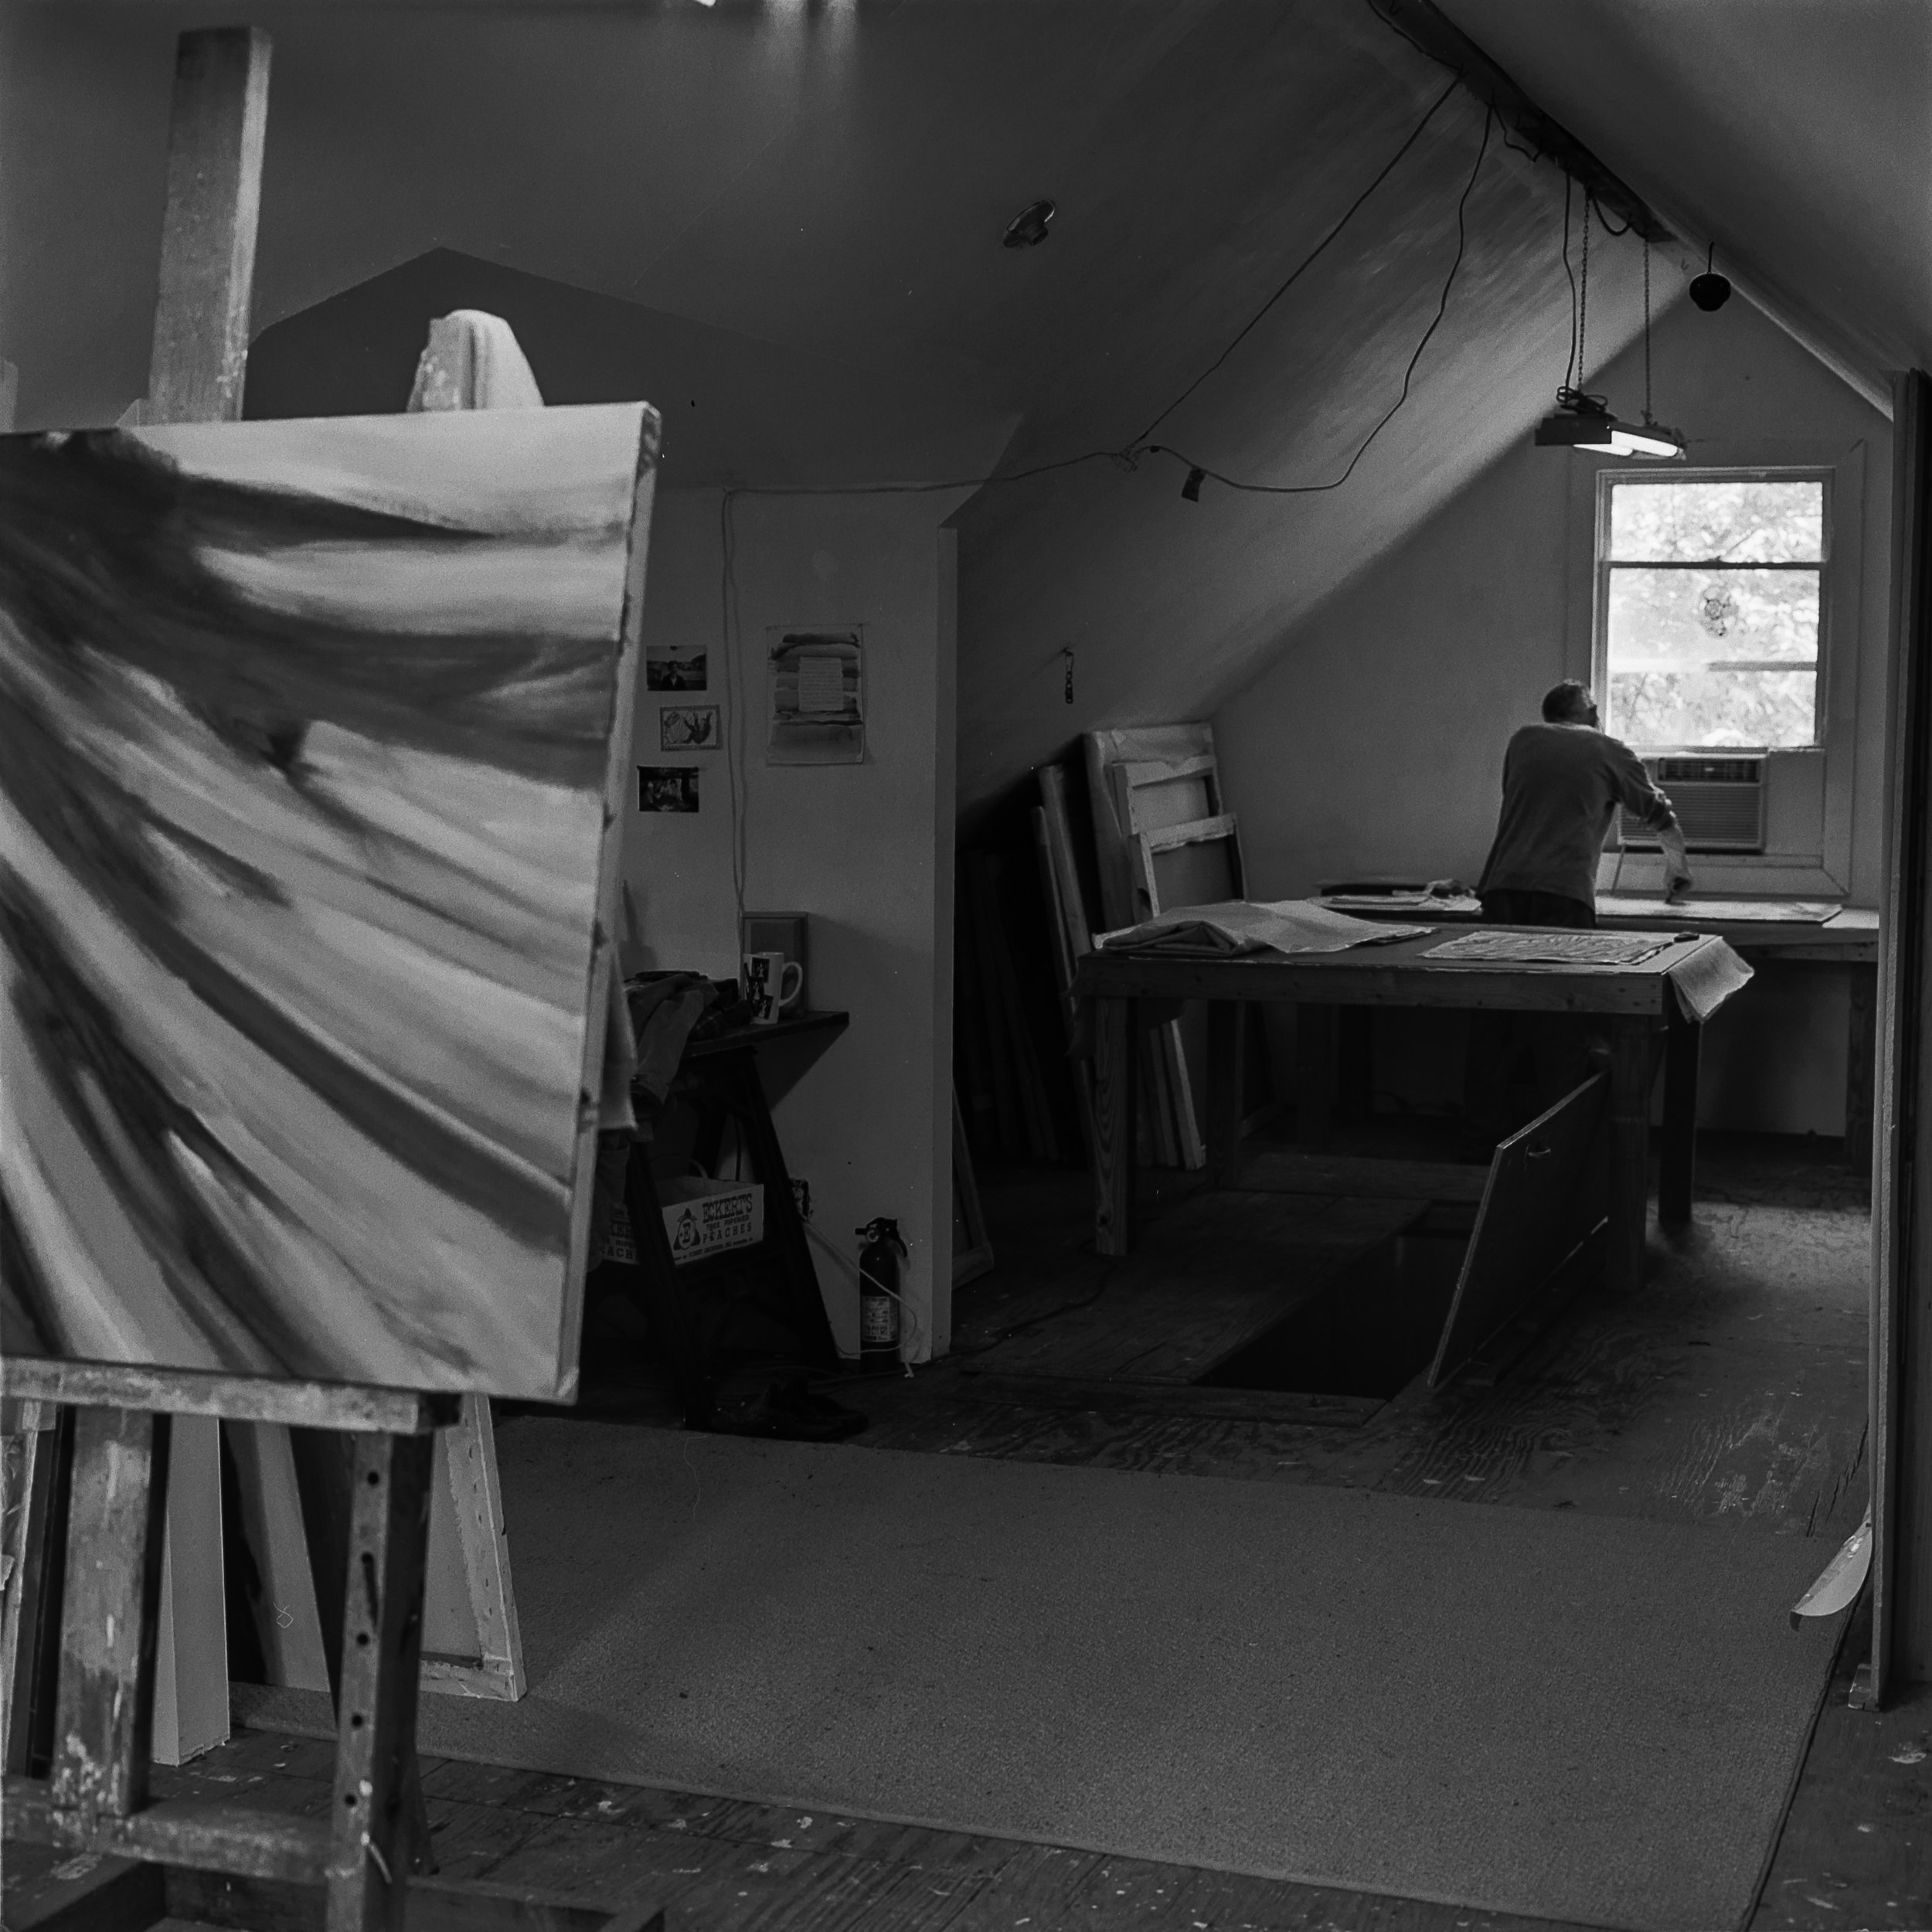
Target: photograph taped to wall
pixel 687 728
pixel 667 788
pixel 675 667
pixel 309 735
pixel 816 696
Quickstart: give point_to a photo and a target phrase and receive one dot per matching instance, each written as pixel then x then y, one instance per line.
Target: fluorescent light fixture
pixel 1580 422
pixel 1647 439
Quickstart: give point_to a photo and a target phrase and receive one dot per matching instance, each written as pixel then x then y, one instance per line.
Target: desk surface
pixel 787 1027
pixel 1397 975
pixel 1851 933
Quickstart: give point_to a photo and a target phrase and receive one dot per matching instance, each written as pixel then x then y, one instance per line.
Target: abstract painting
pixel 313 737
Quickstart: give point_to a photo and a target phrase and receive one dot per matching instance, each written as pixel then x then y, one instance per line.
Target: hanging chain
pixel 1583 299
pixel 1646 414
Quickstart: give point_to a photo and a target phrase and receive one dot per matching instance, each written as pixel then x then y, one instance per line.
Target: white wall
pixel 866 850
pixel 1373 743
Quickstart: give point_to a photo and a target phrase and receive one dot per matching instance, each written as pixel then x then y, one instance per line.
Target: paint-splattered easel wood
pixel 311 739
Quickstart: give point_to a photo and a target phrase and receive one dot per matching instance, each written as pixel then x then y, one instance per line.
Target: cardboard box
pixel 708 1217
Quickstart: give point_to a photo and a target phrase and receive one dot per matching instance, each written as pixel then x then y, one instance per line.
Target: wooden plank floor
pixel 1730 1391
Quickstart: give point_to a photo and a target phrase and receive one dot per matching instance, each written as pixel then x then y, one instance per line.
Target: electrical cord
pixel 1408 375
pixel 1307 262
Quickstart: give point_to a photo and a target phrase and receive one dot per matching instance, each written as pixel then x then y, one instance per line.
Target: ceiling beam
pixel 1427 28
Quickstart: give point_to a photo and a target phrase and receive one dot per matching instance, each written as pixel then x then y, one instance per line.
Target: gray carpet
pixel 1568 1717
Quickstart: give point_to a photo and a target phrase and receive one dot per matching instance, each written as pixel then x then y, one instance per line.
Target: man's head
pixel 1569 703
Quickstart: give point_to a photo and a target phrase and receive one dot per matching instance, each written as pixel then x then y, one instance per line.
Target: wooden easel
pixel 223 1864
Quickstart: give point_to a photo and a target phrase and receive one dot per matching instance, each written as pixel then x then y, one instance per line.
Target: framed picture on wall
pixel 667 788
pixel 675 667
pixel 687 728
pixel 815 696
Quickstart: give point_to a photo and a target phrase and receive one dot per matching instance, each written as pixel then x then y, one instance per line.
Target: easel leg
pixel 1629 1083
pixel 1115 1044
pixel 382 1644
pixel 325 1475
pixel 110 1616
pixel 1677 1171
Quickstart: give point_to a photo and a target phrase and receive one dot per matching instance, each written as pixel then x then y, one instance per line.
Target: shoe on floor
pixel 789 1412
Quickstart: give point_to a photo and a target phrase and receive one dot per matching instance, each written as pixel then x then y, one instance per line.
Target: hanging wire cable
pixel 1647 411
pixel 1408 374
pixel 734 711
pixel 1569 363
pixel 1307 262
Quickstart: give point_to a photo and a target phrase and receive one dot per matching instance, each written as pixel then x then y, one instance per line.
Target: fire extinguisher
pixel 879 1295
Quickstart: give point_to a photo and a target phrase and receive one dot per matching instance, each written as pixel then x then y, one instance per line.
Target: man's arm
pixel 1637 790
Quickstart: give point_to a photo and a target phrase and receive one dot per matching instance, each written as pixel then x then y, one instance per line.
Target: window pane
pixel 1742 521
pixel 1682 620
pixel 1775 709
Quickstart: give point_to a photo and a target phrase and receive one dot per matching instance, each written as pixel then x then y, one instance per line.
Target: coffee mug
pixel 772 983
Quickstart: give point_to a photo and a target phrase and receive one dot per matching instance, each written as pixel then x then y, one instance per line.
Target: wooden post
pixel 1226 1057
pixel 1677 1165
pixel 1861 1066
pixel 215 143
pixel 106 1708
pixel 196 373
pixel 1902 1185
pixel 1630 1085
pixel 381 1650
pixel 1315 1030
pixel 1116 1041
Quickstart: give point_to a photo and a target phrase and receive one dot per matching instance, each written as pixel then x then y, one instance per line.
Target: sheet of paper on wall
pixel 815 685
pixel 313 737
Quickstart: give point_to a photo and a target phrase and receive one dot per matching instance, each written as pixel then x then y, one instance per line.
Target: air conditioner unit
pixel 1719 803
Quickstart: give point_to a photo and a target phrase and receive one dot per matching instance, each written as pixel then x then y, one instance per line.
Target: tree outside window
pixel 1709 591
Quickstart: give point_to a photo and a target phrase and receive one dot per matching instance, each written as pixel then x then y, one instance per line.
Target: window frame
pixel 1648 475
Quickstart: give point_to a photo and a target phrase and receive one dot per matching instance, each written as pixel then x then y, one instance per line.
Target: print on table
pixel 667 788
pixel 687 728
pixel 310 733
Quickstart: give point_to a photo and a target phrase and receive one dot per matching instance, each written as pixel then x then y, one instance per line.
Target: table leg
pixel 1861 1066
pixel 1313 1073
pixel 1226 1051
pixel 1354 1063
pixel 1115 1040
pixel 1677 1168
pixel 1629 1084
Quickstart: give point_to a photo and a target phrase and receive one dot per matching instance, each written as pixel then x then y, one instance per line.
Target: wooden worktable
pixel 1849 938
pixel 1637 1005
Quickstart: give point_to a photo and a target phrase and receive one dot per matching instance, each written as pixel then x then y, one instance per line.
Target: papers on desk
pixel 1443 905
pixel 1240 927
pixel 1553 948
pixel 1770 911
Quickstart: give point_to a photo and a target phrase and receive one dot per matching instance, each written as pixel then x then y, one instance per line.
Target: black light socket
pixel 1191 489
pixel 1710 290
pixel 1028 229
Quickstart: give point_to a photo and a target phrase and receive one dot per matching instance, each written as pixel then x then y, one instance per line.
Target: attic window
pixel 1709 589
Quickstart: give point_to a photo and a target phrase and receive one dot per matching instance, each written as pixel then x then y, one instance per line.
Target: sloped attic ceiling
pixel 1796 134
pixel 830 178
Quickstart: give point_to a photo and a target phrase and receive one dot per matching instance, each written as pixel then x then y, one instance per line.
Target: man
pixel 1563 781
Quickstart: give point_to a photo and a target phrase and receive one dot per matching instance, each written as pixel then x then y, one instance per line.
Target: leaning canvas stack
pixel 311 736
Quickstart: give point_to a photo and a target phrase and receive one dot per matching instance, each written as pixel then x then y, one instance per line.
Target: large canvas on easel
pixel 312 743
